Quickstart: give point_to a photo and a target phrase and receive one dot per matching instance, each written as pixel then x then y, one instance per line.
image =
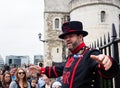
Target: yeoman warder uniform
pixel 80 71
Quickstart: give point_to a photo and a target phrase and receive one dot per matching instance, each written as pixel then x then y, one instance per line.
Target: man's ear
pixel 81 36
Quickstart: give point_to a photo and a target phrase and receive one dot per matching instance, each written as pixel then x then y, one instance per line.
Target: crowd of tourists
pixel 21 77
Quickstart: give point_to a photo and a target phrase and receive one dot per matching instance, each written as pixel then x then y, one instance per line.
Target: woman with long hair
pixel 6 80
pixel 21 79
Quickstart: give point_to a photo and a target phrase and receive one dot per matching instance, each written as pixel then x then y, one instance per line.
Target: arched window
pixel 57 23
pixel 103 16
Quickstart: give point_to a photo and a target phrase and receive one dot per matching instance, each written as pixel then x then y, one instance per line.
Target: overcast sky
pixel 20 23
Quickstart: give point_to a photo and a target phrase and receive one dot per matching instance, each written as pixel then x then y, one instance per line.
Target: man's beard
pixel 74 46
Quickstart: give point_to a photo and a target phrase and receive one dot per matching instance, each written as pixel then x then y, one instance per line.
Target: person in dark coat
pixel 83 64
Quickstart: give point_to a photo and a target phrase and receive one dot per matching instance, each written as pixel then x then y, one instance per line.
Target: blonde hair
pixel 25 82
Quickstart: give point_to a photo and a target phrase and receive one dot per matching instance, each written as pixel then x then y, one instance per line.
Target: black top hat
pixel 72 27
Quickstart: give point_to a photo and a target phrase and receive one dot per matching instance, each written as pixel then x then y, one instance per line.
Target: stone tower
pixel 97 17
pixel 56 12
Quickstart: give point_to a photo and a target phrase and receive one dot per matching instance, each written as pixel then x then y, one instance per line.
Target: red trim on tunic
pixel 74 70
pixel 101 66
pixel 43 70
pixel 55 71
pixel 73 74
pixel 69 62
pixel 49 70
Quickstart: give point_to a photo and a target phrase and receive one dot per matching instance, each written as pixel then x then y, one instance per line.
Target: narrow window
pixel 68 18
pixel 56 23
pixel 103 16
pixel 57 50
pixel 10 61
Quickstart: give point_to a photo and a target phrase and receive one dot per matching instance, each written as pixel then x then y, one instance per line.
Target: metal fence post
pixel 115 53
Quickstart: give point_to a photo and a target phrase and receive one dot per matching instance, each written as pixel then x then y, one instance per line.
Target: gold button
pixel 92 85
pixel 93 72
pixel 93 80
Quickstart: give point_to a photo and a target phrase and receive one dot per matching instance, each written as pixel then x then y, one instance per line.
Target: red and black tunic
pixel 80 70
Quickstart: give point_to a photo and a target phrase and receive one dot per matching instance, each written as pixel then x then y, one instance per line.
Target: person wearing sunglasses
pixel 21 80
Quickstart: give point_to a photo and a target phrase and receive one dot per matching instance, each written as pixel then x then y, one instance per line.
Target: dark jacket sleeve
pixel 112 72
pixel 55 71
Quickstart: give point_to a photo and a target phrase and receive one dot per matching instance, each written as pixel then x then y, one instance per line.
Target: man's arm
pixel 51 72
pixel 107 66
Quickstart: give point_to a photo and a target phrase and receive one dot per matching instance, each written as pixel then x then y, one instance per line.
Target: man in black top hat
pixel 83 65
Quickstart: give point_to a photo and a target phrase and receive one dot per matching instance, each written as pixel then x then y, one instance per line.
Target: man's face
pixel 72 41
pixel 12 71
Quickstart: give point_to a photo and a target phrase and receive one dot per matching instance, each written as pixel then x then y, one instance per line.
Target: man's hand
pixel 103 60
pixel 34 69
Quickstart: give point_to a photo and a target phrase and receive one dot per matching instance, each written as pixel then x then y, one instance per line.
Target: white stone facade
pixel 87 11
pixel 91 18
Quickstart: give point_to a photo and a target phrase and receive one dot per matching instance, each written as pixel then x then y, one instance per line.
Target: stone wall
pixel 53 42
pixel 56 5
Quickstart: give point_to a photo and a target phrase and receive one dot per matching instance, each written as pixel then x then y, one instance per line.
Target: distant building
pixel 17 60
pixel 1 62
pixel 37 59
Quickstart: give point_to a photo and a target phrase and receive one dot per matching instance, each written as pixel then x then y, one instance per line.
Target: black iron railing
pixel 110 45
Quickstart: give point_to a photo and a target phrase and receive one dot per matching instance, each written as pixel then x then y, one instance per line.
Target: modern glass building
pixel 17 60
pixel 1 62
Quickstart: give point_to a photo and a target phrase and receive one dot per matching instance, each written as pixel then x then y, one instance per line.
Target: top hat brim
pixel 84 33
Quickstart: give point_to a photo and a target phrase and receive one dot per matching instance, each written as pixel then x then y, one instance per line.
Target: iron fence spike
pixel 108 37
pixel 114 34
pixel 97 42
pixel 104 40
pixel 100 41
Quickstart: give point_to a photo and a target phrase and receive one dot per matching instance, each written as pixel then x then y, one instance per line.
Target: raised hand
pixel 103 60
pixel 34 69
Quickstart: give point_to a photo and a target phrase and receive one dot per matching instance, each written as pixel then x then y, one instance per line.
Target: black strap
pixel 17 84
